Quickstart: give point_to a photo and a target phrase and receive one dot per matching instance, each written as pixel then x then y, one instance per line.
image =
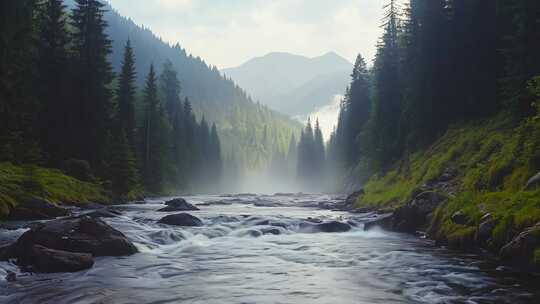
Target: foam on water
pixel 251 250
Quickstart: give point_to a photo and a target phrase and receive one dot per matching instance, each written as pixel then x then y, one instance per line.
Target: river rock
pixel 520 251
pixel 417 213
pixel 332 226
pixel 533 182
pixel 42 259
pixel 274 231
pixel 36 209
pixel 485 229
pixel 459 218
pixel 383 221
pixel 181 219
pixel 178 204
pixel 81 234
pixel 351 198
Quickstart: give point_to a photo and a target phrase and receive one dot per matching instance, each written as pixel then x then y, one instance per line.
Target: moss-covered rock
pixel 20 184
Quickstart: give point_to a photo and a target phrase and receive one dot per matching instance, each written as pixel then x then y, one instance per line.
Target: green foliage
pixel 494 160
pixel 18 183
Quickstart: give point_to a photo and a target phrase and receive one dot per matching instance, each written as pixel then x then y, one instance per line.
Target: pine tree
pixel 125 94
pixel 355 112
pixel 93 75
pixel 384 128
pixel 52 80
pixel 216 161
pixel 153 149
pixel 521 53
pixel 17 106
pixel 170 87
pixel 123 170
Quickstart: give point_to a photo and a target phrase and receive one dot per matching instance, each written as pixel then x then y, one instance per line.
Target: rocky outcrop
pixel 67 245
pixel 520 251
pixel 417 213
pixel 533 182
pixel 36 209
pixel 459 218
pixel 42 259
pixel 353 197
pixel 181 219
pixel 178 204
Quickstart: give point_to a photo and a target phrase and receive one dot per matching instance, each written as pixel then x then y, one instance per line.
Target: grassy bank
pixel 492 161
pixel 20 183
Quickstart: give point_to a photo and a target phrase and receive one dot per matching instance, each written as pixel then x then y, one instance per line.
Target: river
pixel 231 260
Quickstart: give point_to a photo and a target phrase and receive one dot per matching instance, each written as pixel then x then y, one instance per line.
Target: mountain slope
pixel 293 84
pixel 216 98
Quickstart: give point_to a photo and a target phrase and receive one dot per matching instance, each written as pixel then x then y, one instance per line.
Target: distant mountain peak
pixel 277 78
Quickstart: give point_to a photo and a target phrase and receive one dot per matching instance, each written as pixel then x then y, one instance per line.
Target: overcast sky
pixel 227 33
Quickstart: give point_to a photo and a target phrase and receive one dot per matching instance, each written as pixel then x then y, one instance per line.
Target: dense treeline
pixel 63 106
pixel 438 63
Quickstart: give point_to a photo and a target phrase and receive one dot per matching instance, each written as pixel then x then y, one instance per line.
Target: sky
pixel 227 33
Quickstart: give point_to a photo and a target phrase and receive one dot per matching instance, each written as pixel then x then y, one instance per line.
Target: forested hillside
pixel 239 120
pixel 449 116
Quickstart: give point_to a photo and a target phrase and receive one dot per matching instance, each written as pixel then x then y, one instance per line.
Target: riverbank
pixel 20 185
pixel 476 188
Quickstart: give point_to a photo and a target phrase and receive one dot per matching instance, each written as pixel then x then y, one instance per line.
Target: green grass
pixel 494 159
pixel 19 183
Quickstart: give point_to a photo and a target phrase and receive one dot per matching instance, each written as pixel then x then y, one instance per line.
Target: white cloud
pixel 229 32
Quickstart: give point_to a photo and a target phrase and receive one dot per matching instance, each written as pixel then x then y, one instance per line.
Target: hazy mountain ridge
pixel 217 98
pixel 293 84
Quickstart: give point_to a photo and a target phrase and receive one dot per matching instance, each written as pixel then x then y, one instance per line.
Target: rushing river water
pixel 231 260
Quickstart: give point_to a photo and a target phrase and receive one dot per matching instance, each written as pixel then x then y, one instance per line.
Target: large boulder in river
pixel 181 219
pixel 42 259
pixel 520 251
pixel 178 204
pixel 80 234
pixel 533 182
pixel 417 213
pixel 36 209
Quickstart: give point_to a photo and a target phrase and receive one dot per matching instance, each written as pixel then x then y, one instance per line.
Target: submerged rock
pixel 42 259
pixel 332 226
pixel 36 209
pixel 82 235
pixel 181 219
pixel 178 204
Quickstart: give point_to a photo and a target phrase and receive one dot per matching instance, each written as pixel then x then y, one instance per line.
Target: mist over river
pixel 252 249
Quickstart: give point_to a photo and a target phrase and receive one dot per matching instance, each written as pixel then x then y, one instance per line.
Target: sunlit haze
pixel 227 33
